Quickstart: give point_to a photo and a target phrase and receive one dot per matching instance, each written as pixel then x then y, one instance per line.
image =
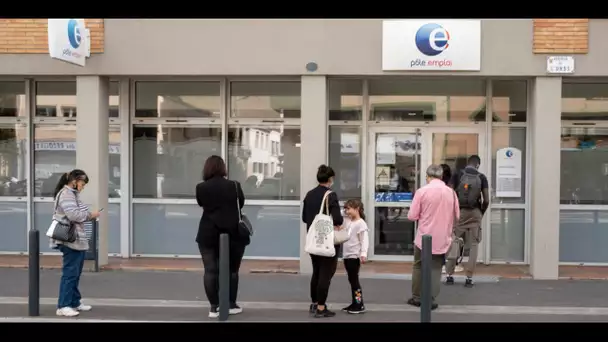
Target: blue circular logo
pixel 509 153
pixel 74 33
pixel 432 39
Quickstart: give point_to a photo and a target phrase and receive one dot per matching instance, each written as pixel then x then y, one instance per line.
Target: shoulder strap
pixel 57 201
pixel 325 203
pixel 238 207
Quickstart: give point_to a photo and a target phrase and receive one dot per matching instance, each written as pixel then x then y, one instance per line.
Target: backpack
pixel 469 189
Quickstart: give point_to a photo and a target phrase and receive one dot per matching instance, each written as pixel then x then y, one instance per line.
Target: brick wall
pixel 570 36
pixel 31 35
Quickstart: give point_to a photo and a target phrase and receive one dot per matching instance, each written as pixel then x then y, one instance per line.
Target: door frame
pixel 426 154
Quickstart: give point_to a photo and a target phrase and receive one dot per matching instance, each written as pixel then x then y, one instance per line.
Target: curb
pixel 277 271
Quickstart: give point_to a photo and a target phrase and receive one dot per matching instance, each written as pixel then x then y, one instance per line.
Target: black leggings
pixel 211 261
pixel 352 267
pixel 323 269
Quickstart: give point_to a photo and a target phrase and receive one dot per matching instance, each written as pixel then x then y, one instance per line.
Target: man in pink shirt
pixel 435 207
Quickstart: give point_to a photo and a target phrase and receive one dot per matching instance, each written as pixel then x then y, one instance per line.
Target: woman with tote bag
pixel 318 201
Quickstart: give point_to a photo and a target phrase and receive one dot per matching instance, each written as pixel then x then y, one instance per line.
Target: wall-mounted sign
pixel 508 172
pixel 431 45
pixel 560 64
pixel 68 40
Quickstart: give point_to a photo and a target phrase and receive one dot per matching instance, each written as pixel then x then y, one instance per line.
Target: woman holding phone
pixel 70 210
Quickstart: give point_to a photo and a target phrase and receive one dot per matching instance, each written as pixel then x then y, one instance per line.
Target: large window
pixel 12 99
pixel 584 165
pixel 252 99
pixel 509 101
pixel 168 161
pixel 345 149
pixel 266 161
pixel 438 100
pixel 13 160
pixel 177 99
pixel 585 101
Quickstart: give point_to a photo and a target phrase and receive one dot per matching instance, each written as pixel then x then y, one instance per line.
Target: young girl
pixel 355 251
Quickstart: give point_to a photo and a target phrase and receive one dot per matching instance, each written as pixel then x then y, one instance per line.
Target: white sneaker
pixel 67 312
pixel 83 307
pixel 235 310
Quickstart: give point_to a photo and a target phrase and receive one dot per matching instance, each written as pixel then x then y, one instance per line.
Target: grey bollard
pixel 427 286
pixel 94 238
pixel 34 273
pixel 224 292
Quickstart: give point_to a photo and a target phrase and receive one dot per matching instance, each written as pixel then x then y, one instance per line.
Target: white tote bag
pixel 320 236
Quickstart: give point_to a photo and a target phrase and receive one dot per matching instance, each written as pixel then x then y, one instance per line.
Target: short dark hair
pixel 214 167
pixel 474 160
pixel 324 173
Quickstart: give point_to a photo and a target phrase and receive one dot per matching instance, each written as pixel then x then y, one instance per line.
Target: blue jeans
pixel 73 261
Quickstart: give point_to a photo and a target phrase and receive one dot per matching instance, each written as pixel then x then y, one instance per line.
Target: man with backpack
pixel 471 187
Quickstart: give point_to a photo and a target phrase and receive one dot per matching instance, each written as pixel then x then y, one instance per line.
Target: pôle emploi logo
pixel 74 37
pixel 431 40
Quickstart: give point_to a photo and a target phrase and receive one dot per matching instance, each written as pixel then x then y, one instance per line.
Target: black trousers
pixel 211 262
pixel 323 270
pixel 352 267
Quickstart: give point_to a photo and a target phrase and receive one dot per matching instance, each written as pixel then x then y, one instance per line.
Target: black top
pixel 218 198
pixel 312 204
pixel 484 184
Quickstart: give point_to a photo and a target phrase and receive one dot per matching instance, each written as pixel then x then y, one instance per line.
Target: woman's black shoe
pixel 324 313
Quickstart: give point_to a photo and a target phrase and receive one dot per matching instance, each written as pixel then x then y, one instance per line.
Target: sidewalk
pixel 179 296
pixel 292 267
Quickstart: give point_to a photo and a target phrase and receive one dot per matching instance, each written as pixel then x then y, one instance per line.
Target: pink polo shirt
pixel 435 207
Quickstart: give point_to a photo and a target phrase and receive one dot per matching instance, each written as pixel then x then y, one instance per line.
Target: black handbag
pixel 245 227
pixel 61 231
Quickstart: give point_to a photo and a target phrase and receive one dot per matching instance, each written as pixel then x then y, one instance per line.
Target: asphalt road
pixel 188 286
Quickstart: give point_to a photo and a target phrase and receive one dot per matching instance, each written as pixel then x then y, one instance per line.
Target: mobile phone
pixel 100 210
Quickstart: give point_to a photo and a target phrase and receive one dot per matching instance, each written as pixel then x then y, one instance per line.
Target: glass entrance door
pixel 394 173
pixel 453 147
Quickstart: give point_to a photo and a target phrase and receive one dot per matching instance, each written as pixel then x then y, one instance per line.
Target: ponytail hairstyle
pixel 67 177
pixel 356 204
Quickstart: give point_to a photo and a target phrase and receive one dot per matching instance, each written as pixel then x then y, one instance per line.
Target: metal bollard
pixel 94 237
pixel 427 285
pixel 34 273
pixel 224 277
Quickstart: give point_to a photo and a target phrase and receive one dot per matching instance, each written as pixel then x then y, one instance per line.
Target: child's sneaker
pixel 356 309
pixel 348 307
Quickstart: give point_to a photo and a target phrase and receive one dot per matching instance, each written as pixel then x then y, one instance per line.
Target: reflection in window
pixel 583 236
pixel 55 154
pixel 397 162
pixel 584 101
pixel 584 166
pixel 114 162
pixel 509 101
pixel 508 234
pixel 168 161
pixel 114 99
pixel 345 159
pixel 265 99
pixel 440 100
pixel 394 233
pixel 56 99
pixel 12 99
pixel 13 161
pixel 177 99
pixel 345 99
pixel 503 137
pixel 263 171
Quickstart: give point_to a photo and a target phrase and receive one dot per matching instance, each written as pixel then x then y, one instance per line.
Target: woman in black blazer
pixel 219 198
